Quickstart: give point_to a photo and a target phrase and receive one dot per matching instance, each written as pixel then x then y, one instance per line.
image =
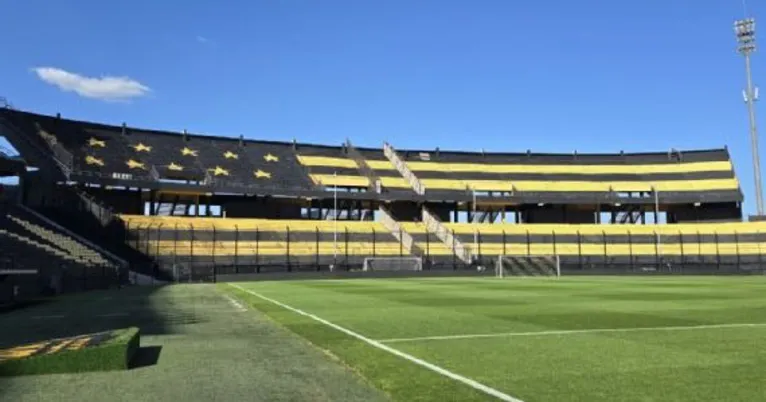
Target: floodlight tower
pixel 745 31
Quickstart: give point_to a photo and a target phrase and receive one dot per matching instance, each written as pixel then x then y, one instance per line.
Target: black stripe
pixel 524 158
pixel 567 159
pixel 329 170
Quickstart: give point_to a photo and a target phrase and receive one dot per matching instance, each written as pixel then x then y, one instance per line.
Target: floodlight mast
pixel 745 31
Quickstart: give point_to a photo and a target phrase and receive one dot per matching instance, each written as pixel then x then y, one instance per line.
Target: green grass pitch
pixel 572 339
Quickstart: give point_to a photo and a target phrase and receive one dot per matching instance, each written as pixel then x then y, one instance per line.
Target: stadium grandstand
pixel 182 206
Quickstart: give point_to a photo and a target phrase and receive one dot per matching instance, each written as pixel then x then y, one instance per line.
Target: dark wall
pixel 265 207
pixel 121 201
pixel 405 211
pixel 706 212
pixel 557 214
pixel 442 211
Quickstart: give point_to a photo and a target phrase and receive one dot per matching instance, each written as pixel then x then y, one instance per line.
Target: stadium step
pixel 435 226
pixel 404 237
pixel 364 168
pixel 403 169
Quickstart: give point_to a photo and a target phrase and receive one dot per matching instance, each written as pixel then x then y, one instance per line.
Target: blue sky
pixel 504 75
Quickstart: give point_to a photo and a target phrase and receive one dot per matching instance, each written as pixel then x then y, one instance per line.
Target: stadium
pixel 139 263
pixel 102 206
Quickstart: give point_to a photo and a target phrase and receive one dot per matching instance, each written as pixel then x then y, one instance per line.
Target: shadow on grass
pixel 145 357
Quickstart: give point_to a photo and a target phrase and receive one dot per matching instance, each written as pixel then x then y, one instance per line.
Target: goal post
pixel 392 264
pixel 528 265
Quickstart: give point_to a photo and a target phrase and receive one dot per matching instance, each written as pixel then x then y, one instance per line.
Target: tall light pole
pixel 745 31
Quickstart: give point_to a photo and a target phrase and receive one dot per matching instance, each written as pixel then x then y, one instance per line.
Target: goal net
pixel 526 265
pixel 392 264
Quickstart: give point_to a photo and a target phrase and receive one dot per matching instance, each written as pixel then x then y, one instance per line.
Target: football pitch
pixel 533 339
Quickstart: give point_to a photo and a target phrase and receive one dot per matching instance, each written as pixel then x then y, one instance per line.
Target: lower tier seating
pixel 62 263
pixel 299 244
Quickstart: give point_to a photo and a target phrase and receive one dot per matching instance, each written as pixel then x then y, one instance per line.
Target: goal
pixel 392 264
pixel 528 265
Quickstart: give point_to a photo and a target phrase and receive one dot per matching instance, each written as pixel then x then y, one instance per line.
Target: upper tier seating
pixel 114 152
pixel 708 173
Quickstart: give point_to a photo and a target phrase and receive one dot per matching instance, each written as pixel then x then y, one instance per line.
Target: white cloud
pixel 106 88
pixel 202 39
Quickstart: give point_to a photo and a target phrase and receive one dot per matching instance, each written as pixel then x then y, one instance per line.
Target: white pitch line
pixel 235 303
pixel 457 377
pixel 569 332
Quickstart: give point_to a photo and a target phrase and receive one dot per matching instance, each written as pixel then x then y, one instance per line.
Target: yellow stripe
pixel 277 225
pixel 79 343
pixel 690 248
pixel 534 186
pixel 61 345
pixel 416 166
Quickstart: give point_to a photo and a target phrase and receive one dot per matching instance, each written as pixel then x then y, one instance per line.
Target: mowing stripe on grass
pixel 570 332
pixel 457 377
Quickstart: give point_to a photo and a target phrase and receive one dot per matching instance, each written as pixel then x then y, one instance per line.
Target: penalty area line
pixel 571 332
pixel 439 370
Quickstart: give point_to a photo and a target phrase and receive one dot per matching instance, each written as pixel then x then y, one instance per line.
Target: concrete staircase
pixel 403 169
pixel 436 227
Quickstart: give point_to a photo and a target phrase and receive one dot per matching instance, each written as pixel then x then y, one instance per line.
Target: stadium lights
pixel 745 32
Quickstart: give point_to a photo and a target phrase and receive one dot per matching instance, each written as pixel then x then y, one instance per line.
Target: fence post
pixel 736 245
pixel 630 250
pixel 191 251
pixel 529 251
pixel 657 251
pixel 758 242
pixel 345 242
pixel 175 245
pixel 683 254
pixel 159 237
pixel 257 250
pixel 717 252
pixel 553 232
pixel 699 249
pixel 213 252
pixel 287 250
pixel 454 251
pixel 478 252
pixel 316 248
pixel 504 239
pixel 236 249
pixel 579 249
pixel 605 257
